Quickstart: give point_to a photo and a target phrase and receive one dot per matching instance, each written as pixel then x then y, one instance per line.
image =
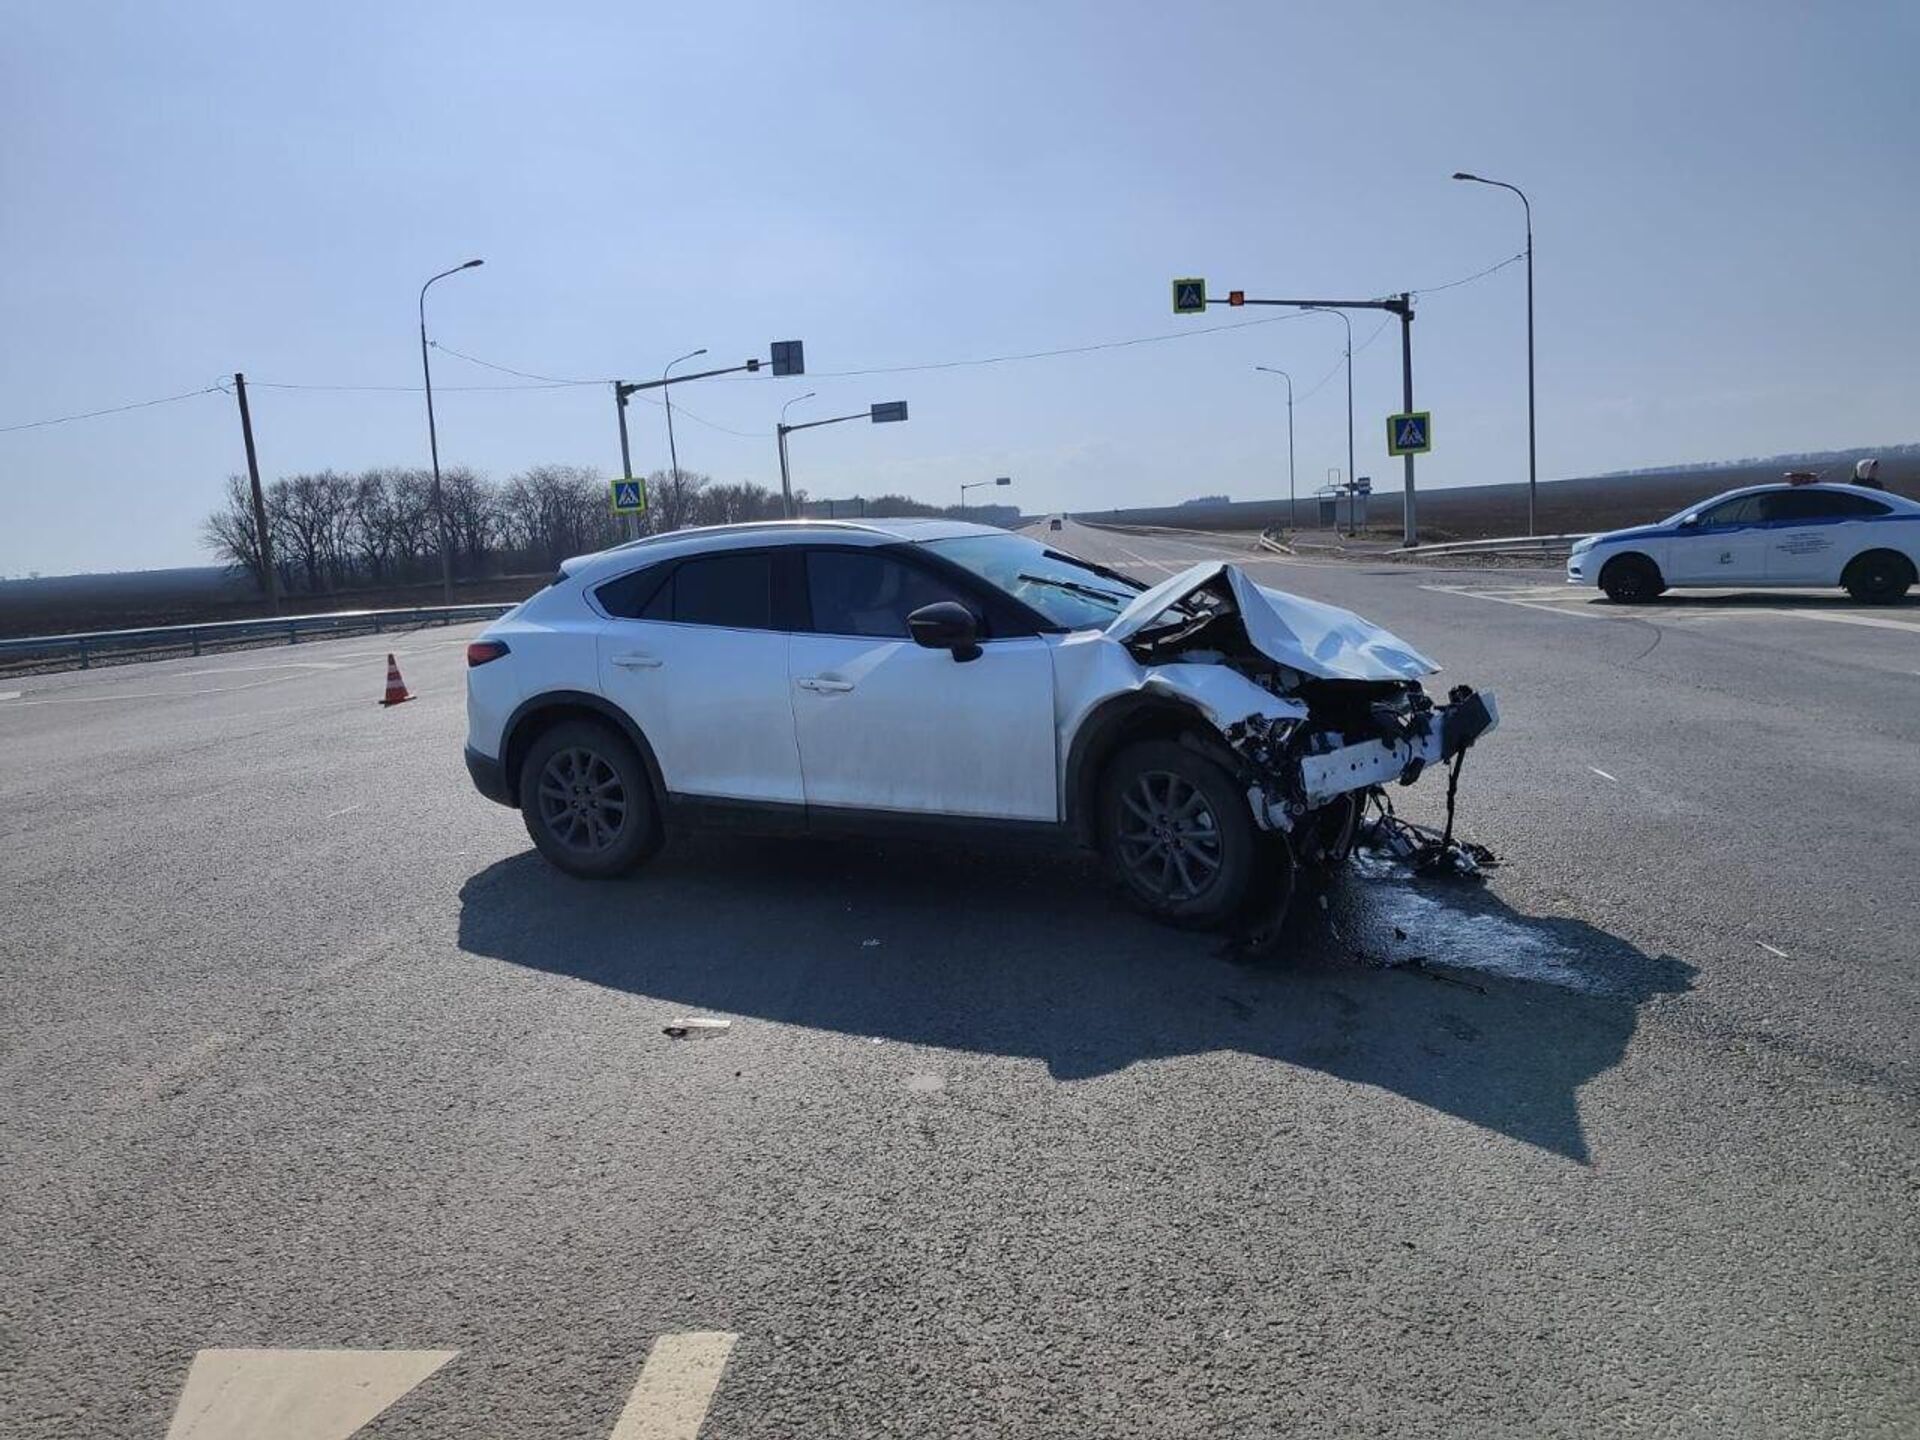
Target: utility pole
pixel 262 535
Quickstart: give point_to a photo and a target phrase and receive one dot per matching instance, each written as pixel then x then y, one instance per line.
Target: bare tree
pixel 230 534
pixel 471 518
pixel 672 500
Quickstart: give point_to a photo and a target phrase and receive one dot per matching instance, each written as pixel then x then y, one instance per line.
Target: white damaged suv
pixel 1206 735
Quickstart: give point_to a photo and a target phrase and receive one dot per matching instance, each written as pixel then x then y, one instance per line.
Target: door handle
pixel 637 662
pixel 820 685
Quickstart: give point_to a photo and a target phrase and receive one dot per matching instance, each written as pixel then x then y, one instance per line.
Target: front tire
pixel 1178 834
pixel 1879 577
pixel 586 800
pixel 1631 580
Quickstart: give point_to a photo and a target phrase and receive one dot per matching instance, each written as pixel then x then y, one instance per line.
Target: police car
pixel 1797 533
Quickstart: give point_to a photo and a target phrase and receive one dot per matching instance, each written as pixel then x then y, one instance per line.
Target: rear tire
pixel 587 801
pixel 1631 579
pixel 1178 833
pixel 1879 577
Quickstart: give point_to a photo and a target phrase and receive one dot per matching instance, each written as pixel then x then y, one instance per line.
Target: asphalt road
pixel 305 1051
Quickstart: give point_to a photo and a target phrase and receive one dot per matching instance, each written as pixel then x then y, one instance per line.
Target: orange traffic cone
pixel 396 687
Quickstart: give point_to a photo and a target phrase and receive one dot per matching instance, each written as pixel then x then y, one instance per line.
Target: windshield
pixel 1074 594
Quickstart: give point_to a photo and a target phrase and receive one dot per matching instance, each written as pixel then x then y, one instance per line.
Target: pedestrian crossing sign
pixel 1410 433
pixel 1190 297
pixel 629 497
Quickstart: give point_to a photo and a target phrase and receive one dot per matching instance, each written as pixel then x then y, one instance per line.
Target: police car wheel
pixel 1630 579
pixel 1879 577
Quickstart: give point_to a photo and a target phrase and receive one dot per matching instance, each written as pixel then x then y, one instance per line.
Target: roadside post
pixel 1190 298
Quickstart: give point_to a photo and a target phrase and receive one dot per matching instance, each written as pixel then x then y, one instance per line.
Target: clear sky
pixel 1726 200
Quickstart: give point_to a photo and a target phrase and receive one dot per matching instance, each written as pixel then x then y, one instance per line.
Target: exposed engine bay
pixel 1353 714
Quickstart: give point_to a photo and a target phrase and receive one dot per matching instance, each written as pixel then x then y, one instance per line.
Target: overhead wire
pixel 552 382
pixel 113 409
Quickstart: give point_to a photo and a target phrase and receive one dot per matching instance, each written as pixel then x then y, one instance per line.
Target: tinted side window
pixel 1743 510
pixel 627 596
pixel 731 590
pixel 856 592
pixel 1821 505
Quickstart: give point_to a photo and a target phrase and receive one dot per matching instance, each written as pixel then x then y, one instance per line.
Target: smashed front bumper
pixel 1297 768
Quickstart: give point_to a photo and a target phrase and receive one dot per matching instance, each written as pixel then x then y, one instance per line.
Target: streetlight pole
pixel 1533 469
pixel 1349 324
pixel 1292 521
pixel 673 455
pixel 433 438
pixel 780 434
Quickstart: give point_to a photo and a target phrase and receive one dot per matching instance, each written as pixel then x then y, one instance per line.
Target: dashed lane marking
pixel 1603 774
pixel 294 1394
pixel 331 1394
pixel 670 1399
pixel 1771 951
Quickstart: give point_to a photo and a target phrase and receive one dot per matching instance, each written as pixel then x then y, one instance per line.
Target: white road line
pixel 9 694
pixel 1838 617
pixel 1771 951
pixel 1603 774
pixel 670 1399
pixel 294 1394
pixel 1523 604
pixel 336 814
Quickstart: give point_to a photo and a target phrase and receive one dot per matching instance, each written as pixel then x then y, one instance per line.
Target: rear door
pixel 692 653
pixel 1812 533
pixel 886 725
pixel 1726 547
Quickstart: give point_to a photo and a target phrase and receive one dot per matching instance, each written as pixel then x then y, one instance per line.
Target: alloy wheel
pixel 1168 839
pixel 582 802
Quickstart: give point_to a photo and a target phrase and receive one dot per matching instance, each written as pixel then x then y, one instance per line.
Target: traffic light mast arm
pixel 809 424
pixel 1397 304
pixel 627 389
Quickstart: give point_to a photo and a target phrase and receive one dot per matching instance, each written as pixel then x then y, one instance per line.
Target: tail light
pixel 479 652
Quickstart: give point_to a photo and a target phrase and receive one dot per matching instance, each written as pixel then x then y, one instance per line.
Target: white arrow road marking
pixel 670 1399
pixel 294 1394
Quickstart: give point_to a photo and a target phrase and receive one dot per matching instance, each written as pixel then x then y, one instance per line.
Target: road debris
pixel 696 1027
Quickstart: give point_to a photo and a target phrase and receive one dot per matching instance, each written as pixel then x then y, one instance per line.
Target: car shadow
pixel 1435 991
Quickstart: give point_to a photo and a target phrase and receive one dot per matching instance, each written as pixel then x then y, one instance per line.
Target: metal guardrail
pixel 91 645
pixel 1550 547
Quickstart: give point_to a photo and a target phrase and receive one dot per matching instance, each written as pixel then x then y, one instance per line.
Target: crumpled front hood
pixel 1306 635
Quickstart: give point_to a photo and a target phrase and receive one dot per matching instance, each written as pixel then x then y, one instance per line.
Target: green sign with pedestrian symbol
pixel 629 496
pixel 1189 297
pixel 1410 433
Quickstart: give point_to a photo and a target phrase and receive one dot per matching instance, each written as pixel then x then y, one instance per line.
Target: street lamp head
pixel 1004 480
pixel 1463 175
pixel 471 263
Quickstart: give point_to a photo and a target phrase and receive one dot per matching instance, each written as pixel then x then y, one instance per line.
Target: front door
pixel 1726 546
pixel 885 724
pixel 702 670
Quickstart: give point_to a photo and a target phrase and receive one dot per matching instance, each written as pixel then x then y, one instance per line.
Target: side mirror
pixel 945 625
pixel 1686 520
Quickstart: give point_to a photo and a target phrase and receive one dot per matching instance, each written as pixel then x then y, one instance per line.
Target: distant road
pixel 304 1051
